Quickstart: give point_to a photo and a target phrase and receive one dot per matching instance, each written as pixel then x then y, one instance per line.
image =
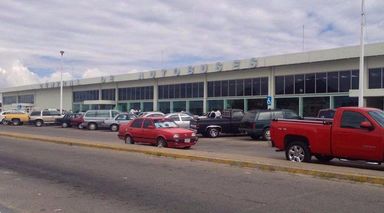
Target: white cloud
pixel 17 75
pixel 91 73
pixel 122 35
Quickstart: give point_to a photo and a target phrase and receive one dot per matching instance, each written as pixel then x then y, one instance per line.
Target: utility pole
pixel 303 38
pixel 61 82
pixel 361 70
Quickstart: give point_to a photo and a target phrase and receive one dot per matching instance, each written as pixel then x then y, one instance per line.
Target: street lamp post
pixel 61 83
pixel 361 68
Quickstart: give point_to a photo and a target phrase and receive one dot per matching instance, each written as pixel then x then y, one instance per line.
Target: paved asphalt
pixel 40 177
pixel 243 145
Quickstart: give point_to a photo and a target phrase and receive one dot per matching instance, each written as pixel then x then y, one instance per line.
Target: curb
pixel 220 160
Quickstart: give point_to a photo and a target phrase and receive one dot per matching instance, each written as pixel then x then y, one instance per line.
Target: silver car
pixel 114 124
pixel 181 119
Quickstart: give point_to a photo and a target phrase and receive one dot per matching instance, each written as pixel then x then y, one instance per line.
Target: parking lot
pixel 243 145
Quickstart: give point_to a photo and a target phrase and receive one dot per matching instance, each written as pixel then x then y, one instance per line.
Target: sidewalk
pixel 329 171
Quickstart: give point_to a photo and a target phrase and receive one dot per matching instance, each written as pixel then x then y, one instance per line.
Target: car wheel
pixel 161 142
pixel 39 123
pixel 298 152
pixel 4 122
pixel 64 125
pixel 92 126
pixel 129 140
pixel 15 122
pixel 213 132
pixel 267 134
pixel 80 126
pixel 323 159
pixel 114 128
pixel 254 137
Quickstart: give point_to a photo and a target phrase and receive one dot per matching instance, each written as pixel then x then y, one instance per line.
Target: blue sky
pixel 102 37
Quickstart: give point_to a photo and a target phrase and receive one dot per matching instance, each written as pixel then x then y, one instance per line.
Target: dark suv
pixel 256 123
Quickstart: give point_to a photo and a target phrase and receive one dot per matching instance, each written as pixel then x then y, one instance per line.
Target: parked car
pixel 93 119
pixel 151 114
pixel 183 120
pixel 41 117
pixel 257 123
pixel 229 122
pixel 326 113
pixel 14 117
pixel 78 121
pixel 66 121
pixel 159 131
pixel 354 133
pixel 114 123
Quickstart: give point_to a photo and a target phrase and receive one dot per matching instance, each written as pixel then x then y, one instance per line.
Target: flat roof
pixel 341 53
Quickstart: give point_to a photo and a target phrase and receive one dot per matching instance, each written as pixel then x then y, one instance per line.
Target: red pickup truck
pixel 354 133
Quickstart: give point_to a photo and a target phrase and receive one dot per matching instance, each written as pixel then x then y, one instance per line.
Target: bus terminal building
pixel 304 82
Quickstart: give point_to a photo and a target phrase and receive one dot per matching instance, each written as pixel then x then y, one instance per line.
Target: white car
pixel 181 119
pixel 114 124
pixel 151 114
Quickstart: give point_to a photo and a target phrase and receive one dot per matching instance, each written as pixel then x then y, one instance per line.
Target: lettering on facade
pixel 191 70
pixel 236 64
pixel 141 76
pixel 111 78
pixel 164 72
pixel 253 63
pixel 219 67
pixel 204 68
pixel 152 74
pixel 176 71
pixel 103 79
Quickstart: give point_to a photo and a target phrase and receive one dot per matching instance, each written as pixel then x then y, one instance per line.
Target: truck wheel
pixel 92 126
pixel 213 132
pixel 39 123
pixel 16 122
pixel 267 134
pixel 64 125
pixel 298 152
pixel 323 159
pixel 114 128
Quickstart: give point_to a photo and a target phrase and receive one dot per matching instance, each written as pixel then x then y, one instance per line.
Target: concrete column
pixel 245 105
pixel 271 87
pixel 205 106
pixel 155 95
pixel 301 107
pixel 331 102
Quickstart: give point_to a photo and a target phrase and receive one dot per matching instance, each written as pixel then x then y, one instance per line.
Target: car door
pixel 349 140
pixel 46 116
pixel 136 130
pixel 149 134
pixel 263 120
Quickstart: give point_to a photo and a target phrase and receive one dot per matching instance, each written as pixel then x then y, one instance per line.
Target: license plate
pixel 188 140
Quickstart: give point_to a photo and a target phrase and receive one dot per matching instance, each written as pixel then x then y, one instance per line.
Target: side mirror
pixel 151 127
pixel 366 125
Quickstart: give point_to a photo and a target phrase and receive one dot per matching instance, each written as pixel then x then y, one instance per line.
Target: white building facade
pixel 304 82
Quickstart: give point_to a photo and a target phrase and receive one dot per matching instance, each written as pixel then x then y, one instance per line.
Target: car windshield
pixel 165 124
pixel 378 116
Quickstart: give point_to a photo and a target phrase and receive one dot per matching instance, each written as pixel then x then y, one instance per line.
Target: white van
pixel 93 119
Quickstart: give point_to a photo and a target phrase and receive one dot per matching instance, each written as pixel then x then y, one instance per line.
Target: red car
pixel 162 132
pixel 77 121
